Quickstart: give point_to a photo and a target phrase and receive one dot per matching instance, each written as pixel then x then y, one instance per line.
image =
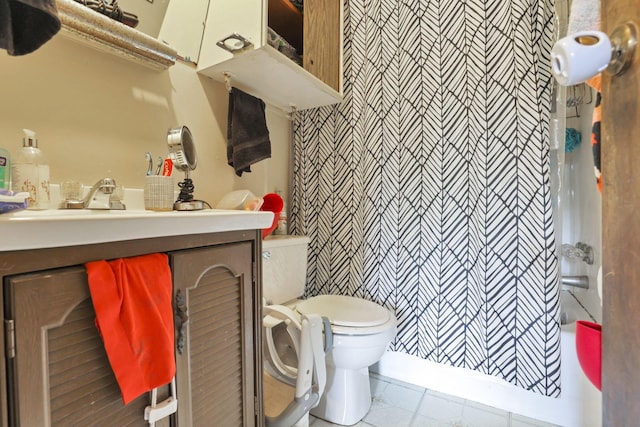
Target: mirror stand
pixel 182 152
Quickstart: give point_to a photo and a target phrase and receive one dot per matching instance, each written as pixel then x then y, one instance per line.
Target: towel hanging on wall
pixel 247 133
pixel 596 121
pixel 25 25
pixel 132 299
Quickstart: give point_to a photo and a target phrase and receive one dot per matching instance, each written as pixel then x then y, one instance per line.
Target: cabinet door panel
pixel 60 373
pixel 323 41
pixel 215 370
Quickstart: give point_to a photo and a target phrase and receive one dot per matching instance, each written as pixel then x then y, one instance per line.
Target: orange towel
pixel 596 83
pixel 132 300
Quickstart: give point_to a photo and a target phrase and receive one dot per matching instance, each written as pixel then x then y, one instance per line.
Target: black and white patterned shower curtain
pixel 427 189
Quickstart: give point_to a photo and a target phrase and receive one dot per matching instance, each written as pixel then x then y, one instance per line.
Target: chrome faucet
pixel 101 196
pixel 575 281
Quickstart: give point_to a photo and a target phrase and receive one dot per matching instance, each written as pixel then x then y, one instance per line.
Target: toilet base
pixel 347 396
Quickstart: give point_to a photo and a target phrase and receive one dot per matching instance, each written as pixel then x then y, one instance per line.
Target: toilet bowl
pixel 362 330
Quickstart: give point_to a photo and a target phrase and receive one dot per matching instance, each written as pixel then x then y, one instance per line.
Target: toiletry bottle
pixel 282 227
pixel 5 169
pixel 30 172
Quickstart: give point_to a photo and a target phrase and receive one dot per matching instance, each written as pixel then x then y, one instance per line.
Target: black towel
pixel 25 25
pixel 247 134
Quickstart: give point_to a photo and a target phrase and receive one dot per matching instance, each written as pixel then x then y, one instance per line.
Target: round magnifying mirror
pixel 182 150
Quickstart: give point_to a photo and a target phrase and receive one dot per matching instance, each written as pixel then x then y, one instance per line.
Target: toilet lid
pixel 346 311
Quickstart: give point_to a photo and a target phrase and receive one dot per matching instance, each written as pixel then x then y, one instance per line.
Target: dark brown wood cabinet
pixel 55 371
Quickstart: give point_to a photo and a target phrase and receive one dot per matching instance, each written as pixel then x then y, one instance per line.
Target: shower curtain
pixel 427 189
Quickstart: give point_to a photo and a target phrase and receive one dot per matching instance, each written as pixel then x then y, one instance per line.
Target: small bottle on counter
pixel 282 227
pixel 30 172
pixel 5 169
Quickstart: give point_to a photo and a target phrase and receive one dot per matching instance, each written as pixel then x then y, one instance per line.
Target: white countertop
pixel 70 227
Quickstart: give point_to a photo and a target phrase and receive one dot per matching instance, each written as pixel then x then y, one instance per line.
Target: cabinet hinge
pixel 255 272
pixel 255 405
pixel 10 339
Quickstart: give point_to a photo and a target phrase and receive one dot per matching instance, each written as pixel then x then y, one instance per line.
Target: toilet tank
pixel 284 268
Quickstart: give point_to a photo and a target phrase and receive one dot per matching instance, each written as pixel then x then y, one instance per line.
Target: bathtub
pixel 580 403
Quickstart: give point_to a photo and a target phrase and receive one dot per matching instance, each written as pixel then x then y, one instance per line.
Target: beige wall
pixel 96 114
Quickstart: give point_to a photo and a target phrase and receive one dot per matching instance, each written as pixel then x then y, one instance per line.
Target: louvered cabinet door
pixel 60 374
pixel 215 357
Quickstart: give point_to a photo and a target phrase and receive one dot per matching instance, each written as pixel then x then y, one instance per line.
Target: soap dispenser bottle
pixel 282 227
pixel 30 172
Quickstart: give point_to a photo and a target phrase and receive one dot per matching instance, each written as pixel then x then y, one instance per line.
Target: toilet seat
pixel 312 338
pixel 349 315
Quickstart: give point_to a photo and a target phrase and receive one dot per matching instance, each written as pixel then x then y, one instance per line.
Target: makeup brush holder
pixel 158 193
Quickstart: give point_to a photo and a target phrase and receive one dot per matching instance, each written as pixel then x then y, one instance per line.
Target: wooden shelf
pixel 103 33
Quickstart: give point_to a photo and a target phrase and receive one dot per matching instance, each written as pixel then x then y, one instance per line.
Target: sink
pixel 28 229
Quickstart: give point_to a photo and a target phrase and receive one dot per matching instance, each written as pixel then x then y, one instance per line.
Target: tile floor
pixel 398 404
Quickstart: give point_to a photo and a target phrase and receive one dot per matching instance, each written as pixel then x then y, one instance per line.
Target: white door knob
pixel 580 56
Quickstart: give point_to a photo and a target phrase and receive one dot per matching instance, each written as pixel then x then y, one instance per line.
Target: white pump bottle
pixel 30 172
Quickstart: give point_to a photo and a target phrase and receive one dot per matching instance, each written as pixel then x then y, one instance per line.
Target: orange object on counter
pixel 272 203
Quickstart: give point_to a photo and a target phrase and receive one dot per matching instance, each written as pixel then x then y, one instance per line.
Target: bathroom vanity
pixel 55 370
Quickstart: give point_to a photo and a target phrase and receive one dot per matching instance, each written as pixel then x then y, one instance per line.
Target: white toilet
pixel 362 330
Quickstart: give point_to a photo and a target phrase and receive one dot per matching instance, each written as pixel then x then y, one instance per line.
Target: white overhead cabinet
pixel 292 58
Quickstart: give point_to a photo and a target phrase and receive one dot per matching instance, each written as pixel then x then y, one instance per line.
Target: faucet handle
pixel 116 198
